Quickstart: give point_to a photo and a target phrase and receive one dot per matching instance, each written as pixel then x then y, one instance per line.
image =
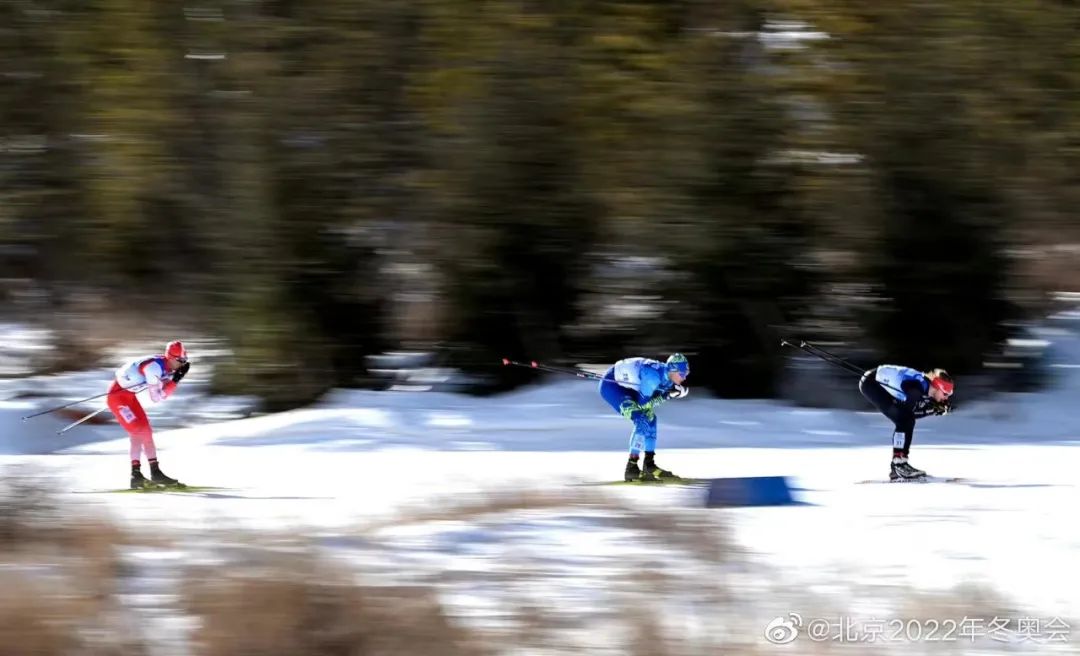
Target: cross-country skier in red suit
pixel 158 375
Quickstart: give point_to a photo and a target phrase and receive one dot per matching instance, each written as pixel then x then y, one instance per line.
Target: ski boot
pixel 901 469
pixel 157 477
pixel 633 472
pixel 138 481
pixel 651 472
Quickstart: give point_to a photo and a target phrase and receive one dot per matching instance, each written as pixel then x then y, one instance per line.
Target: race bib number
pixel 126 414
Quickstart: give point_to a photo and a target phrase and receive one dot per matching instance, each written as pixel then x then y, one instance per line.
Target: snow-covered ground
pixel 401 469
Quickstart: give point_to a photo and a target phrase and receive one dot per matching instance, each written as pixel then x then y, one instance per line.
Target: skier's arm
pixel 913 394
pixel 917 403
pixel 156 385
pixel 660 396
pixel 650 382
pixel 648 397
pixel 925 408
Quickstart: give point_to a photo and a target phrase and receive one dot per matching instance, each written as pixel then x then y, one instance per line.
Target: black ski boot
pixel 651 472
pixel 633 472
pixel 900 468
pixel 138 481
pixel 157 477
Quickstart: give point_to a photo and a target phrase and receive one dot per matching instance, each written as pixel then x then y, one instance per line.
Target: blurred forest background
pixel 320 181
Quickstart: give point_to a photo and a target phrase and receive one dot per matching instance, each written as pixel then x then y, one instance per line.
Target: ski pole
pixel 73 425
pixel 543 367
pixel 821 353
pixel 533 364
pixel 846 363
pixel 89 398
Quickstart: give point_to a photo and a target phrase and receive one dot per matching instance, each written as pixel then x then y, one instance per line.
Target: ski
pixel 921 480
pixel 666 482
pixel 161 489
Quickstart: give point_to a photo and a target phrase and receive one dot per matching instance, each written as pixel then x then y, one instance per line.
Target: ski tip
pixel 533 363
pixel 506 361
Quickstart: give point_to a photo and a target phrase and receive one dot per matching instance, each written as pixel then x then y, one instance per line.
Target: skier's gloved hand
pixel 942 408
pixel 677 392
pixel 181 372
pixel 653 403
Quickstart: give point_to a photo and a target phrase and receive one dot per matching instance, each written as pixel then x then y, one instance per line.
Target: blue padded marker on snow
pixel 749 491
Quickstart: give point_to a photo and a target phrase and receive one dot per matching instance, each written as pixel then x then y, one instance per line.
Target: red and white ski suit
pixel 149 374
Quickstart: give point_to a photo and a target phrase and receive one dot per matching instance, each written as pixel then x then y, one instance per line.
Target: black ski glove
pixel 181 372
pixel 943 408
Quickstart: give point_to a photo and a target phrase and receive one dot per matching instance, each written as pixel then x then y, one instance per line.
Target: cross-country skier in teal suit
pixel 635 387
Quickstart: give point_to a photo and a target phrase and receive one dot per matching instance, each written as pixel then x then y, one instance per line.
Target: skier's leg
pixel 643 437
pixel 131 416
pixel 624 402
pixel 905 432
pixel 615 394
pixel 646 425
pixel 649 469
pixel 902 418
pixel 878 396
pixel 149 447
pixel 135 452
pixel 156 475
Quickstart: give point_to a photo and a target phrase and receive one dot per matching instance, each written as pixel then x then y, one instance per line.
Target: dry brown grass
pixel 293 603
pixel 33 518
pixel 58 575
pixel 33 619
pixel 43 615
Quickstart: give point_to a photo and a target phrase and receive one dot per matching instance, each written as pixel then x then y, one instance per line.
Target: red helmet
pixel 941 379
pixel 176 350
